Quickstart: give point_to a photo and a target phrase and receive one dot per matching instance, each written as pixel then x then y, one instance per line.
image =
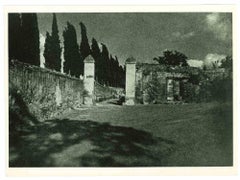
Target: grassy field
pixel 111 135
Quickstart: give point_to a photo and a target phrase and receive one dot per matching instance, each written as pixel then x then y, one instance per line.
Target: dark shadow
pixel 88 144
pixel 115 102
pixel 20 119
pixel 119 101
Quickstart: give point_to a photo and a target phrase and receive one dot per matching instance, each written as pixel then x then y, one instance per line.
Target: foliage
pixel 190 93
pixel 221 89
pixel 104 61
pixel 96 53
pixel 48 51
pixel 209 89
pixel 227 63
pixel 73 62
pixel 24 38
pixel 107 68
pixel 154 90
pixel 52 51
pixel 14 39
pixel 199 85
pixel 30 39
pixel 84 46
pixel 138 93
pixel 172 58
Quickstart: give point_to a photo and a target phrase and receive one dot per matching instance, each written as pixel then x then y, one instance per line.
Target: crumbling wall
pixel 46 93
pixel 152 83
pixel 104 92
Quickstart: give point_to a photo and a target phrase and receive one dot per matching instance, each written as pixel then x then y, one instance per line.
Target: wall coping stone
pixel 130 60
pixel 89 59
pixel 37 68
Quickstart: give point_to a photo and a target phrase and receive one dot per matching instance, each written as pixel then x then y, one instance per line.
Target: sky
pixel 202 37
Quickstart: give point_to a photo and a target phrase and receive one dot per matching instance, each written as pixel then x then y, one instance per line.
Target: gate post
pixel 89 80
pixel 130 81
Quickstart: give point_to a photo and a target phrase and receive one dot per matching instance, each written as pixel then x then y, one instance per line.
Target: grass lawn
pixel 111 135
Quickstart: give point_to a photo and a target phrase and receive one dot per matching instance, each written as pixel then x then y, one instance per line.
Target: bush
pixel 138 94
pixel 217 89
pixel 221 89
pixel 154 90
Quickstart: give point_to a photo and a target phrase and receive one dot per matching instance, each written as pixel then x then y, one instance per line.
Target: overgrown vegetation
pixel 211 85
pixel 172 58
pixel 197 85
pixel 73 63
pixel 52 51
pixel 154 90
pixel 24 46
pixel 24 38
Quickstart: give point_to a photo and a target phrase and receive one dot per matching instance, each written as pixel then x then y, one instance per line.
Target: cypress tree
pixel 14 35
pixel 112 71
pixel 52 52
pixel 48 52
pixel 104 61
pixel 56 44
pixel 84 45
pixel 123 74
pixel 117 75
pixel 30 51
pixel 73 61
pixel 96 54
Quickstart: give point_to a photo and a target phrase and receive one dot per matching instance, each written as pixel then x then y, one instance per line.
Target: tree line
pixel 24 46
pixel 23 38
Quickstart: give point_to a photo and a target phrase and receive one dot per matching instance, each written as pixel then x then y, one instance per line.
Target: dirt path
pixel 112 135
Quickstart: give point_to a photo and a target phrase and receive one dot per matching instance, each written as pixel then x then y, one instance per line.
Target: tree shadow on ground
pixel 20 118
pixel 57 143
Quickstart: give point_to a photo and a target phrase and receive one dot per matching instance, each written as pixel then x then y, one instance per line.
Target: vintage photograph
pixel 120 89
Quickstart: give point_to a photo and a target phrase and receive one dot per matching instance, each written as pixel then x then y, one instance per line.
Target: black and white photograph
pixel 120 89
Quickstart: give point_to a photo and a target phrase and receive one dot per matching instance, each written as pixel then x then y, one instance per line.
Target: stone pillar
pixel 89 80
pixel 130 81
pixel 170 89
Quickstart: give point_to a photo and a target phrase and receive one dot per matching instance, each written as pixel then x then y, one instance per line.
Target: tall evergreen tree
pixel 53 52
pixel 123 76
pixel 30 51
pixel 117 75
pixel 73 62
pixel 84 45
pixel 48 52
pixel 96 54
pixel 14 35
pixel 104 61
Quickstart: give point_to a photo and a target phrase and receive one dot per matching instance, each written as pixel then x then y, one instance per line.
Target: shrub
pixel 138 93
pixel 154 90
pixel 217 89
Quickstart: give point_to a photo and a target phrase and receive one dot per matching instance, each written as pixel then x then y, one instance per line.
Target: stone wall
pixel 158 84
pixel 46 93
pixel 161 84
pixel 104 92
